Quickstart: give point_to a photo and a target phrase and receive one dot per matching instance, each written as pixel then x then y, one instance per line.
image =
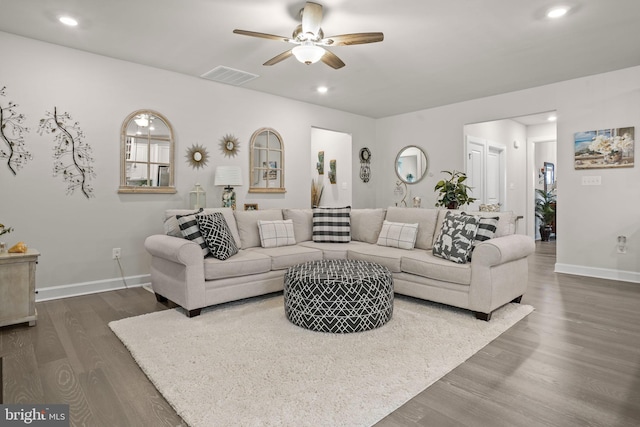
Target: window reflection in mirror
pixel 147 153
pixel 267 162
pixel 411 164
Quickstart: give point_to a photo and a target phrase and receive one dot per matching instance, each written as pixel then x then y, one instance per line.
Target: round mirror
pixel 411 164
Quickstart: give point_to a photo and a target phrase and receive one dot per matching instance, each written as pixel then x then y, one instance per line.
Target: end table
pixel 18 287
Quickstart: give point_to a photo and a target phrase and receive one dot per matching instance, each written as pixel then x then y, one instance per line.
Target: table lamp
pixel 228 176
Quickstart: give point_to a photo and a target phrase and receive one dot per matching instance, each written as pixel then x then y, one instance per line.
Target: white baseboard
pixel 600 273
pixel 77 289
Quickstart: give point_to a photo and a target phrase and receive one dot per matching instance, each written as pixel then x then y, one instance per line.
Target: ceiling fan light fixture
pixel 308 53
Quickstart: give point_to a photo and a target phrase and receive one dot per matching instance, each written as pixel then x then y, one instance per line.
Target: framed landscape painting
pixel 605 148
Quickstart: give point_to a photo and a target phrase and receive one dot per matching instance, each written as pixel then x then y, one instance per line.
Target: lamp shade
pixel 308 53
pixel 228 176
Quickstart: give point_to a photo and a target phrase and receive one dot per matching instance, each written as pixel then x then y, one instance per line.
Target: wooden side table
pixel 18 287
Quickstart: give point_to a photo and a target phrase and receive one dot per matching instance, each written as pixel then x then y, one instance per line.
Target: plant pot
pixel 452 205
pixel 545 232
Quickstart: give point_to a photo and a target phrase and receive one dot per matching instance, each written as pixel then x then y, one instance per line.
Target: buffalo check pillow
pixel 276 233
pixel 398 235
pixel 332 225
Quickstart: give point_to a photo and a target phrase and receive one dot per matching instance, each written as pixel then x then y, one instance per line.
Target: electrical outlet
pixel 115 253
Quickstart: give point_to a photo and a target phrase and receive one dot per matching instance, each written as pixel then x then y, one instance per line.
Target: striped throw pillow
pixel 332 225
pixel 190 230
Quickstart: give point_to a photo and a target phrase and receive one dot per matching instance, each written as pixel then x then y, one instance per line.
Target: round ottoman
pixel 338 296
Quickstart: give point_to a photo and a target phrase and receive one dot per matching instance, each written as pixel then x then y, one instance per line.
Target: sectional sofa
pixel 496 274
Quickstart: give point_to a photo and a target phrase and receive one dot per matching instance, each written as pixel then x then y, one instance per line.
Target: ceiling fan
pixel 310 41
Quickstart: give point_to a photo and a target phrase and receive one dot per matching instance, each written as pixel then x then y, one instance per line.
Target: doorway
pixel 500 162
pixel 329 148
pixel 486 171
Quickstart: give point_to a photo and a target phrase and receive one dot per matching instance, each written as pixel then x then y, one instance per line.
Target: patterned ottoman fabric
pixel 338 296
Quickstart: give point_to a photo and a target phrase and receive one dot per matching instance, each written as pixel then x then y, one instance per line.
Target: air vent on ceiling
pixel 230 76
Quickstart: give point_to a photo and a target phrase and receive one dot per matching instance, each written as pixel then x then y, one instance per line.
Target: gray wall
pixel 76 235
pixel 590 217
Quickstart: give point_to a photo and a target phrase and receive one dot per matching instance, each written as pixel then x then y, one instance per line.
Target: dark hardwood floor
pixel 575 361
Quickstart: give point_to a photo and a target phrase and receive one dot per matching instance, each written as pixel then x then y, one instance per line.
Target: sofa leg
pixel 194 312
pixel 517 300
pixel 160 298
pixel 482 316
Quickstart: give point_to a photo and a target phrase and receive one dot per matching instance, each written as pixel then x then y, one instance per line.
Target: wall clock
pixel 365 160
pixel 229 145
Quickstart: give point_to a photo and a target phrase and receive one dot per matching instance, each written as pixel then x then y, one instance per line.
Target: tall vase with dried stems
pixel 316 192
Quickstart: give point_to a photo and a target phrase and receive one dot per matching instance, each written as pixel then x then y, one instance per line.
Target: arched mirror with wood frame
pixel 266 162
pixel 147 150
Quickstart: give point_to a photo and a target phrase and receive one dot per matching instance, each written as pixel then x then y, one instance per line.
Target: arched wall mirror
pixel 411 164
pixel 146 154
pixel 266 162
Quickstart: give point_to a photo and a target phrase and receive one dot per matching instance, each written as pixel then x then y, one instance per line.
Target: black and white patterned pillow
pixel 217 235
pixel 332 225
pixel 486 230
pixel 456 237
pixel 191 231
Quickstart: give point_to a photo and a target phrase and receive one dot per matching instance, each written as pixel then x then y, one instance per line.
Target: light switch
pixel 344 185
pixel 592 180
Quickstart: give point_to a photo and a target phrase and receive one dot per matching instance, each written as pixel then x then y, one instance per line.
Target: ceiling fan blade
pixel 350 39
pixel 311 18
pixel 279 58
pixel 261 35
pixel 332 60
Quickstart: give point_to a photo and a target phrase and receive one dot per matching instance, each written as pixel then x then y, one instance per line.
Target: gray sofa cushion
pixel 241 264
pixel 424 263
pixel 366 224
pixel 334 250
pixel 247 222
pixel 426 219
pixel 302 223
pixel 389 257
pixel 286 256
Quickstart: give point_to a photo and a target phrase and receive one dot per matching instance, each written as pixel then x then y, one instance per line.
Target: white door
pixel 475 169
pixel 494 176
pixel 486 171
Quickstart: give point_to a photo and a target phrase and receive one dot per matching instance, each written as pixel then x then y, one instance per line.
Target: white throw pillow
pixel 276 233
pixel 398 235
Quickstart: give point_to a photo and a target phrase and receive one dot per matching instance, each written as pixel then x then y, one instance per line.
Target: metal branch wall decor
pixel 72 156
pixel 12 134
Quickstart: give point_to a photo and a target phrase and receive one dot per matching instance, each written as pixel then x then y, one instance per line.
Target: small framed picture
pixel 250 206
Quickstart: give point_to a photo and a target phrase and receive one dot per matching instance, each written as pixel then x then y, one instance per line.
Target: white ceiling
pixel 435 52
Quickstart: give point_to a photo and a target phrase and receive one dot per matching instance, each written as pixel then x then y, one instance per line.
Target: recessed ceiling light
pixel 67 20
pixel 557 12
pixel 323 89
pixel 552 118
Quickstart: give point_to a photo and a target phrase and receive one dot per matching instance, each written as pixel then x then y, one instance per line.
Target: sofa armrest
pixel 181 251
pixel 499 271
pixel 501 250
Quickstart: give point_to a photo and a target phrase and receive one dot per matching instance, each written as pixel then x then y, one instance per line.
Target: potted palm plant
pixel 545 212
pixel 453 192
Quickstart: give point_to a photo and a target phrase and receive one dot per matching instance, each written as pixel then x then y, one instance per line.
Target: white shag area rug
pixel 245 364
